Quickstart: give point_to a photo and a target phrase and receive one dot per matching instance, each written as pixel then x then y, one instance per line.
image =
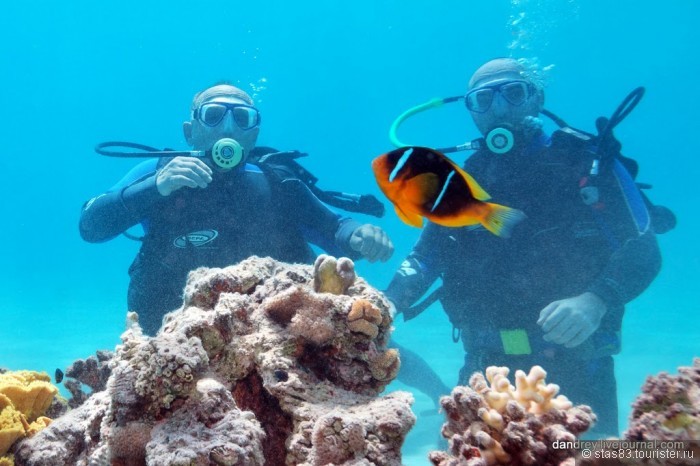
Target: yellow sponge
pixel 24 397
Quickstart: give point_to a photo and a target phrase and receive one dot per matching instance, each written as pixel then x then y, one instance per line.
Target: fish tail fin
pixel 500 219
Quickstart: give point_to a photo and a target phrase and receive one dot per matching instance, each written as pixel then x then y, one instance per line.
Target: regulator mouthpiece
pixel 499 140
pixel 227 153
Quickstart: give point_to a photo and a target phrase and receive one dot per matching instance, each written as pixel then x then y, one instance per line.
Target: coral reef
pixel 93 372
pixel 255 368
pixel 493 422
pixel 668 408
pixel 667 411
pixel 24 398
pixel 220 433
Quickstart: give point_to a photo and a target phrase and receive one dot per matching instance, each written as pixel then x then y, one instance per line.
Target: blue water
pixel 329 77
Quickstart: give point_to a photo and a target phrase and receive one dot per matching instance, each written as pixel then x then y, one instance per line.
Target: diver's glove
pixel 569 322
pixel 372 243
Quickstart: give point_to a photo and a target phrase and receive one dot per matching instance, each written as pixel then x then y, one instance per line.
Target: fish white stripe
pixel 399 165
pixel 444 188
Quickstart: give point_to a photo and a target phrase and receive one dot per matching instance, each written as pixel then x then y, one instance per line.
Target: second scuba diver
pixel 554 292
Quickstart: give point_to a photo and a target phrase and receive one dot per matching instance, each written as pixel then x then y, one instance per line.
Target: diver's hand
pixel 180 172
pixel 372 242
pixel 571 321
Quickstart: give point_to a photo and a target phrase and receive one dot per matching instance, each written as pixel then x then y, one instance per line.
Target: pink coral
pixel 307 314
pixel 337 440
pixel 128 443
pixel 209 429
pixel 492 422
pixel 93 371
pixel 668 408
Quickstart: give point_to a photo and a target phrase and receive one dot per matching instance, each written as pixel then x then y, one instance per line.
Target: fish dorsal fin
pixel 477 191
pixel 409 218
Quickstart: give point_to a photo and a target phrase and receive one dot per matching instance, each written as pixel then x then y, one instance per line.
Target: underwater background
pixel 329 78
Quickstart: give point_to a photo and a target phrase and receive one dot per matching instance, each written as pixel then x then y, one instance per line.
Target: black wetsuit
pixel 241 213
pixel 494 288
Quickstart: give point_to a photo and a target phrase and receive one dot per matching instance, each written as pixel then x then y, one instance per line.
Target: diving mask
pixel 212 113
pixel 516 92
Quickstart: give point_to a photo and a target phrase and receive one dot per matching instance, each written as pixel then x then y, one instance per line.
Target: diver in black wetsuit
pixel 554 293
pixel 217 210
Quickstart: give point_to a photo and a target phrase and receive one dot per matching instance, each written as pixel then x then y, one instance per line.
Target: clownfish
pixel 423 182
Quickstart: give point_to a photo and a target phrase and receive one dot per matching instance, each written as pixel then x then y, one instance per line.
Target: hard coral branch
pixel 492 422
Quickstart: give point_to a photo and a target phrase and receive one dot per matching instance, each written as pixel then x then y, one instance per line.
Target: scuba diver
pixel 220 203
pixel 554 292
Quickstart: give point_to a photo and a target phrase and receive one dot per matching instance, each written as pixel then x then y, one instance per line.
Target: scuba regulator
pixel 226 153
pixel 499 140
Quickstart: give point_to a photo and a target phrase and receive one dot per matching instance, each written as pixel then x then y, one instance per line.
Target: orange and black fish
pixel 423 182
